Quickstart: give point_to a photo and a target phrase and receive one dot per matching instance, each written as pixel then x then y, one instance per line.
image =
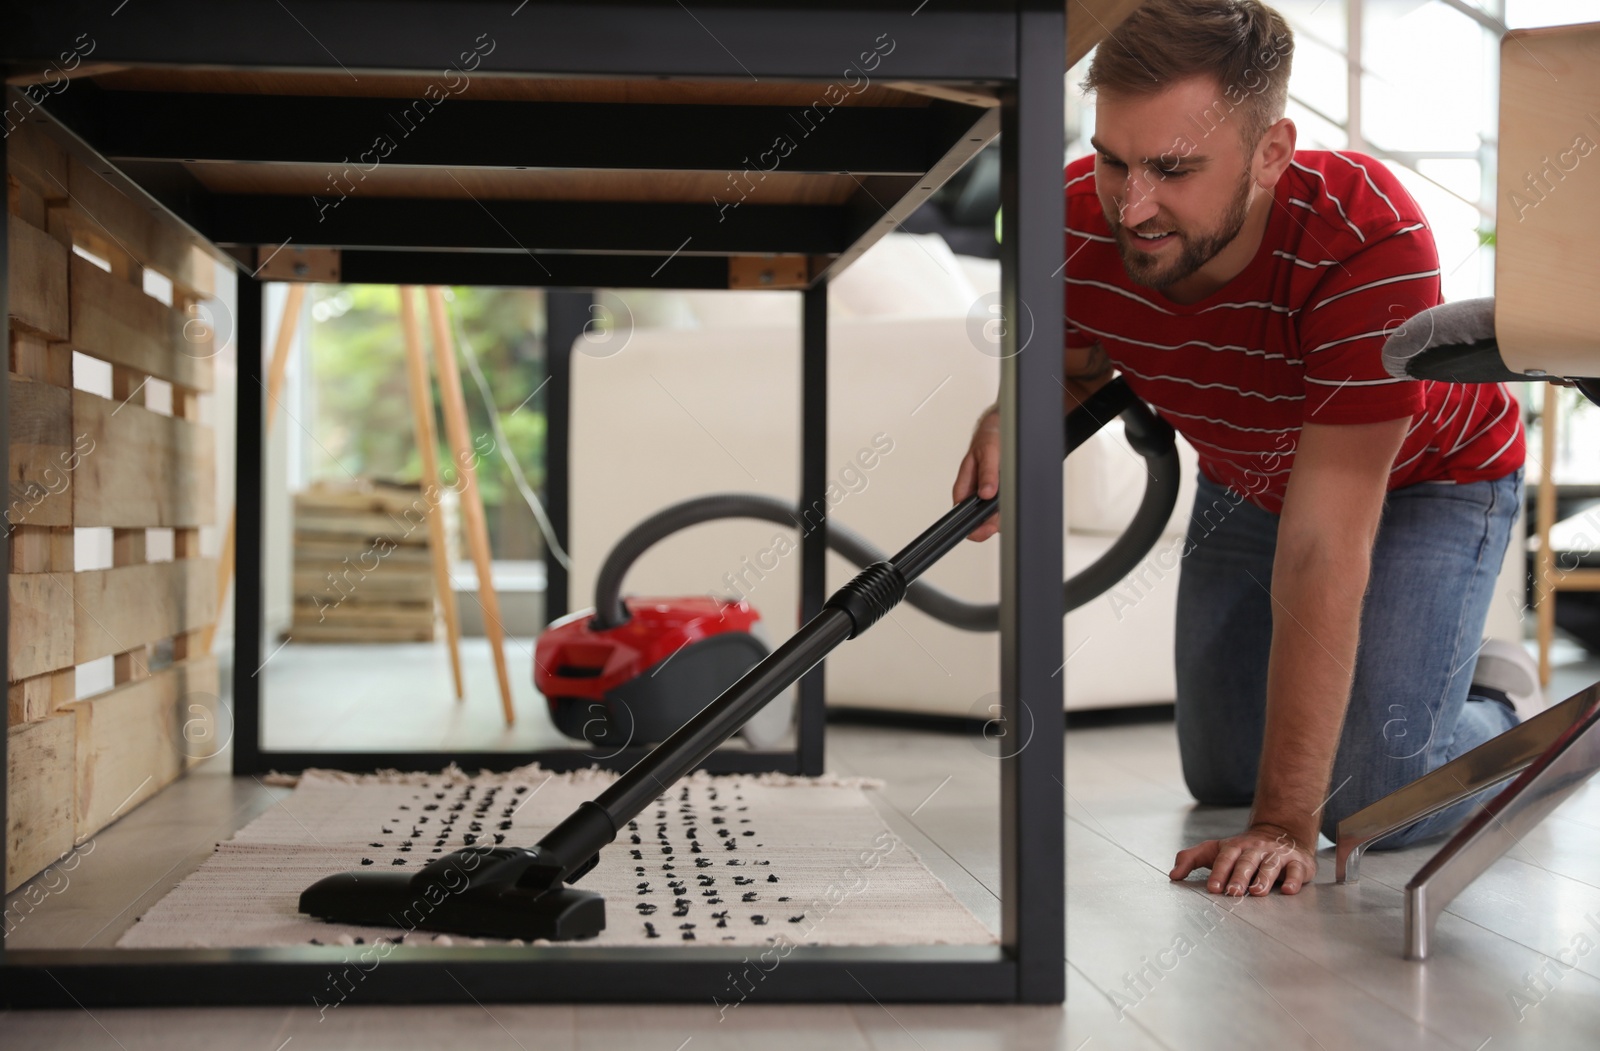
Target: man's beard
pixel 1197 250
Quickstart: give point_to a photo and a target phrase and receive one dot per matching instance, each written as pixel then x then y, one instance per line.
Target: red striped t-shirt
pixel 1296 337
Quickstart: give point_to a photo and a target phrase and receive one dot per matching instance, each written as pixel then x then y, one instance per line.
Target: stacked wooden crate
pixel 362 570
pixel 81 460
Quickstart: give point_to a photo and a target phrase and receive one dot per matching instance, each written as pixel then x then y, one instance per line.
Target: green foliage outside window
pixel 362 422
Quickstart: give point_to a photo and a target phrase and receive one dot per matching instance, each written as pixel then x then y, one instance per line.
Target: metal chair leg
pixel 1464 776
pixel 1503 821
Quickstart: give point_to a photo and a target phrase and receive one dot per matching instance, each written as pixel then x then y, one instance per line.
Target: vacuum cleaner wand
pixel 521 892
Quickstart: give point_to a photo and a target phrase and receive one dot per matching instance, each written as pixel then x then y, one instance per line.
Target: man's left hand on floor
pixel 1255 859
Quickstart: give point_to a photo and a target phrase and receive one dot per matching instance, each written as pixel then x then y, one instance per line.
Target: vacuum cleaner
pixel 631 671
pixel 523 892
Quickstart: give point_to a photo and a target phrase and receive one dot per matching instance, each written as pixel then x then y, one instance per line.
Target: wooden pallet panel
pixel 42 624
pixel 372 538
pixel 42 549
pixel 384 585
pixel 361 621
pixel 406 563
pixel 130 741
pixel 314 632
pixel 25 203
pixel 314 551
pixel 37 358
pixel 40 771
pixel 358 532
pixel 43 460
pixel 40 696
pixel 150 237
pixel 377 614
pixel 145 469
pixel 334 551
pixel 38 279
pixel 123 607
pixel 375 497
pixel 114 320
pixel 80 460
pixel 37 161
pixel 29 700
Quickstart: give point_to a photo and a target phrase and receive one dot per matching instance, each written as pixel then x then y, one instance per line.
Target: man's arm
pixel 1330 518
pixel 1086 369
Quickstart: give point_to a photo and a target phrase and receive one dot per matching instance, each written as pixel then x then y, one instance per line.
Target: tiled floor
pixel 1319 971
pixel 399 697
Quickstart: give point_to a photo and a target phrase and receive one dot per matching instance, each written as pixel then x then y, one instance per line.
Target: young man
pixel 1245 291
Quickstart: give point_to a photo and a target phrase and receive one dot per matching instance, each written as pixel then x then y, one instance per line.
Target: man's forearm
pixel 1084 371
pixel 1091 366
pixel 1315 630
pixel 1332 508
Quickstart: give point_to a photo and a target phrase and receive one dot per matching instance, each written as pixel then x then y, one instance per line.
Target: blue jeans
pixel 1438 552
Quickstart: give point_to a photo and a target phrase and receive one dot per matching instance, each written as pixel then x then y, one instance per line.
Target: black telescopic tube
pixel 583 835
pixel 689 745
pixel 1103 405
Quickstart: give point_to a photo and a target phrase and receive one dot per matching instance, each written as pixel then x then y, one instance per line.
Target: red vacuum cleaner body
pixel 639 681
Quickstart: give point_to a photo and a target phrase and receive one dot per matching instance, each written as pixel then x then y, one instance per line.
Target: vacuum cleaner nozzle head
pixel 496 892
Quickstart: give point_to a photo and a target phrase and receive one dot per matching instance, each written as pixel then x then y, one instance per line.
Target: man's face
pixel 1174 177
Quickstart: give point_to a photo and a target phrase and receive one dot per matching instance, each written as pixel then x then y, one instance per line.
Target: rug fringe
pixel 533 772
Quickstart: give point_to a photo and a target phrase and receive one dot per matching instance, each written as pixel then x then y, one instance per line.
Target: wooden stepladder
pixel 465 480
pixel 462 448
pixel 427 443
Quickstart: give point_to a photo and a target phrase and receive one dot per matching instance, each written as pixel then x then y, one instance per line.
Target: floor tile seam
pixel 1344 981
pixel 1136 1022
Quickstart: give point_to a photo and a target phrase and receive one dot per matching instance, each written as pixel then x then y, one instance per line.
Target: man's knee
pixel 1357 795
pixel 1216 773
pixel 1220 787
pixel 1405 837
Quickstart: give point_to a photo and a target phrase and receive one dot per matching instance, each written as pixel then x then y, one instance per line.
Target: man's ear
pixel 1273 153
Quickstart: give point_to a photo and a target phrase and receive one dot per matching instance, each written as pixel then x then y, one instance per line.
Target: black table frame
pixel 1016 47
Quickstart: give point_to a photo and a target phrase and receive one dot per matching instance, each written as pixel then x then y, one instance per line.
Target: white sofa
pixel 703 397
pixel 707 400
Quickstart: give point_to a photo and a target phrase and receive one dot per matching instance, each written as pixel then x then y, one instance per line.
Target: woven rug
pixel 730 860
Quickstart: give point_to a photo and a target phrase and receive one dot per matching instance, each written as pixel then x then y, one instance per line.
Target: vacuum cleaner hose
pixel 1148 435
